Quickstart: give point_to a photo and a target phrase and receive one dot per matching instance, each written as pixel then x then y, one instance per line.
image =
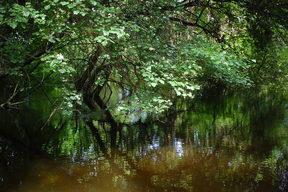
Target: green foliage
pixel 218 65
pixel 154 49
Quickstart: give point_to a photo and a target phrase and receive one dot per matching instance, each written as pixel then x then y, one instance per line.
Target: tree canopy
pixel 154 51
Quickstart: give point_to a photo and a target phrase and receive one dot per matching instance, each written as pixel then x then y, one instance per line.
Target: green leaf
pixel 64 3
pixel 12 24
pixel 47 7
pixel 26 13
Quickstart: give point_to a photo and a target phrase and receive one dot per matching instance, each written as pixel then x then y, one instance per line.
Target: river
pixel 222 142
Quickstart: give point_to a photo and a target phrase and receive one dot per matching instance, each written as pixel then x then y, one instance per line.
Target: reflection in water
pixel 222 143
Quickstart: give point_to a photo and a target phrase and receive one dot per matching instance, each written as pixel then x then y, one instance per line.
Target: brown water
pixel 229 143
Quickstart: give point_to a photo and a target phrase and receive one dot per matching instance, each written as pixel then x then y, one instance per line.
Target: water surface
pixel 232 142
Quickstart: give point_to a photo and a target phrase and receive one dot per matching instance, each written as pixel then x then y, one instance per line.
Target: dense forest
pixel 209 73
pixel 153 50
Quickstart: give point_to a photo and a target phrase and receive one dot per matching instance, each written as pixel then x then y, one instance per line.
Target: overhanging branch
pixel 195 24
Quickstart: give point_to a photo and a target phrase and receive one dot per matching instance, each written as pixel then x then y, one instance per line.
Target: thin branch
pixel 51 115
pixel 207 31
